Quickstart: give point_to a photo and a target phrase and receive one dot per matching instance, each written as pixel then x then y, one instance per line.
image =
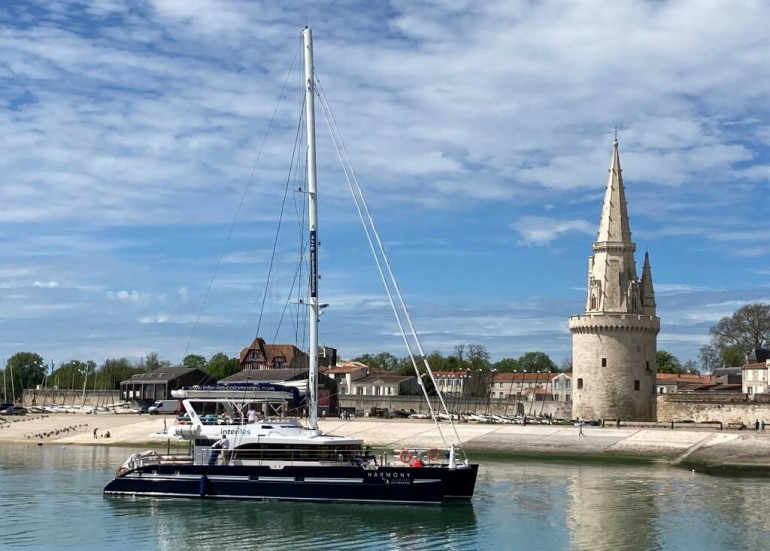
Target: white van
pixel 164 406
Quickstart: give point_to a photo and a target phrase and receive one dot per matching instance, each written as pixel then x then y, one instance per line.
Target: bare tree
pixel 748 328
pixel 478 356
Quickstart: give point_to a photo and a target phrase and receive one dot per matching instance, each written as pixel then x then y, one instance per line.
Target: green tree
pixel 436 361
pixel 24 370
pixel 713 357
pixel 537 361
pixel 116 370
pixel 507 365
pixel 690 367
pixel 194 360
pixel 70 374
pixel 382 360
pixel 667 362
pixel 152 361
pixel 221 366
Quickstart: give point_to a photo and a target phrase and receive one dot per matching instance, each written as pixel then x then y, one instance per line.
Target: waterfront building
pixel 678 382
pixel 756 378
pixel 526 386
pixel 385 385
pixel 345 373
pixel 149 387
pixel 614 341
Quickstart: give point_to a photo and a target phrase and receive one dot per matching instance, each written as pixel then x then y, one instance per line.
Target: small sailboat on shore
pixel 275 458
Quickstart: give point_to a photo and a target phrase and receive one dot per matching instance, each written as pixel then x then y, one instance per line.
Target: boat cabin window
pixel 267 426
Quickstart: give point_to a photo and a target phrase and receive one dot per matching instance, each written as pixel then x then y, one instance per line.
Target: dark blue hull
pixel 430 484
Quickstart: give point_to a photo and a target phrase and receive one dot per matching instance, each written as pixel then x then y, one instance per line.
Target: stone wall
pixel 68 397
pixel 702 408
pixel 492 406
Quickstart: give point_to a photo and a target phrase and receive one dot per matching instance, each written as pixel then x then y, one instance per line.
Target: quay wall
pixel 710 447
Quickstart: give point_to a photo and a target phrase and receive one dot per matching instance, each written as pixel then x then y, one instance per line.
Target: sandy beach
pixel 707 447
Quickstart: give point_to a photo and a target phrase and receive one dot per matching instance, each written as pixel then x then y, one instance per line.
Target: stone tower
pixel 615 340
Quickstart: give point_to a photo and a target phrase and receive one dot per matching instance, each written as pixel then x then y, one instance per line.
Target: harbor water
pixel 51 498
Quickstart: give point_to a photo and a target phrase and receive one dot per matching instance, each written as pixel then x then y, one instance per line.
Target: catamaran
pixel 272 457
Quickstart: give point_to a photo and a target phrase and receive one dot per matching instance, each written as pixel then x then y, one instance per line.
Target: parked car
pixel 5 406
pixel 164 406
pixel 14 410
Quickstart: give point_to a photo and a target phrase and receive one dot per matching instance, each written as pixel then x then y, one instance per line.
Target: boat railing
pixel 276 457
pixel 209 455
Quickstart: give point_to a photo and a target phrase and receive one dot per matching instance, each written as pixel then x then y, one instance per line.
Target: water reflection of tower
pixel 611 508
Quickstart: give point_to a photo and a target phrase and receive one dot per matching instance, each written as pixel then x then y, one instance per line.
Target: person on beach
pixel 96 431
pixel 580 430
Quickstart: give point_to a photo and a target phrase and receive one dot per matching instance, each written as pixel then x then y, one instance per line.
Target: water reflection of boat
pixel 176 524
pixel 279 458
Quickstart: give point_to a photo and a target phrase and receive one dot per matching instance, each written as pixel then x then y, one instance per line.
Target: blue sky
pixel 481 132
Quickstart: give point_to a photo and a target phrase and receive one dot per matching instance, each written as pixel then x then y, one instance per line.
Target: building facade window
pixel 580 383
pixel 637 385
pixel 604 362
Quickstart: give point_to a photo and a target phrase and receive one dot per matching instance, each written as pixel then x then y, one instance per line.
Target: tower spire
pixel 648 294
pixel 613 225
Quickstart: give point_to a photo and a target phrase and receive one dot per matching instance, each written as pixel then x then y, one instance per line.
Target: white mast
pixel 307 36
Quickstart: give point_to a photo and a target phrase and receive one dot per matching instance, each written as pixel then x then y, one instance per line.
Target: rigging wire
pixel 242 201
pixel 391 288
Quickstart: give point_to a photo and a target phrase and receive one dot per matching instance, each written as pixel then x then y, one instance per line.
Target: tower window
pixel 580 383
pixel 604 362
pixel 636 384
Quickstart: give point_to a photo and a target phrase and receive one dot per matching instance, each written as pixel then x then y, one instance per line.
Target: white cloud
pixel 134 297
pixel 541 230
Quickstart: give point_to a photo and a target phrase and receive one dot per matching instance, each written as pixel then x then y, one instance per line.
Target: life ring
pixel 120 472
pixel 405 456
pixel 433 454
